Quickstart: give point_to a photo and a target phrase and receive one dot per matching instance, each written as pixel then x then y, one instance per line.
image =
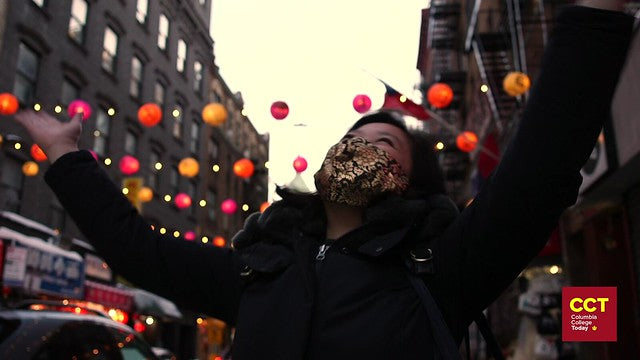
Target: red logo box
pixel 589 314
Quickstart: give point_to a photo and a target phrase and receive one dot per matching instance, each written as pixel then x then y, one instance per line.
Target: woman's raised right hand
pixel 54 137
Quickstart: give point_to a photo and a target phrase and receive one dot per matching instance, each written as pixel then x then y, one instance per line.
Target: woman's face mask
pixel 355 172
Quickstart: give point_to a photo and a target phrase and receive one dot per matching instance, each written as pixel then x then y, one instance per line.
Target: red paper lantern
pixel 279 110
pixel 129 165
pixel 264 206
pixel 243 168
pixel 229 206
pixel 79 106
pixel 37 154
pixel 440 95
pixel 466 141
pixel 219 241
pixel 214 114
pixel 182 201
pixel 188 167
pixel 149 114
pixel 300 164
pixel 8 104
pixel 361 103
pixel 190 235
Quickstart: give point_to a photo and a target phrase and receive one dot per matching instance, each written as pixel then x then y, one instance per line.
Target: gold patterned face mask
pixel 355 172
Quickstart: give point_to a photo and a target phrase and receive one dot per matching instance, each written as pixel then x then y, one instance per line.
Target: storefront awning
pixel 108 296
pixel 151 304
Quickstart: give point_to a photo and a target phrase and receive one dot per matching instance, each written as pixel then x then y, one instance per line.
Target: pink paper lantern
pixel 81 106
pixel 190 235
pixel 129 165
pixel 229 206
pixel 279 110
pixel 182 201
pixel 361 103
pixel 300 164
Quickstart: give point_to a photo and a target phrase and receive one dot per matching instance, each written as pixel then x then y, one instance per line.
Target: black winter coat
pixel 357 303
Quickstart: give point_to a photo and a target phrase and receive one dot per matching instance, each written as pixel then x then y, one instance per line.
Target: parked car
pixel 27 334
pixel 163 354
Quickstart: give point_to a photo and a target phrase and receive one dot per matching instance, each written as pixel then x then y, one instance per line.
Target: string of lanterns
pixel 439 96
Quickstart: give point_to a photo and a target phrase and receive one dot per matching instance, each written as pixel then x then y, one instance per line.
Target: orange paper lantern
pixel 219 241
pixel 264 206
pixel 149 114
pixel 516 83
pixel 30 168
pixel 243 168
pixel 145 194
pixel 440 95
pixel 8 104
pixel 466 141
pixel 214 114
pixel 188 167
pixel 37 154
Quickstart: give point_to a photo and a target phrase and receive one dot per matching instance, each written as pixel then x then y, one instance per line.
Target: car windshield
pixel 42 338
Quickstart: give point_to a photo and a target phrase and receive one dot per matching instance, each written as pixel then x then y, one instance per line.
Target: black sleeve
pixel 511 218
pixel 196 276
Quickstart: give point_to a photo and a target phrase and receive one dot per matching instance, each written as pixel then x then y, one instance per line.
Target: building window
pixel 154 173
pixel 177 122
pixel 182 56
pixel 141 11
pixel 130 143
pixel 158 97
pixel 163 32
pixel 110 50
pixel 40 3
pixel 26 74
pixel 101 134
pixel 78 20
pixel 68 93
pixel 11 181
pixel 137 69
pixel 195 136
pixel 191 191
pixel 197 77
pixel 174 178
pixel 213 149
pixel 211 204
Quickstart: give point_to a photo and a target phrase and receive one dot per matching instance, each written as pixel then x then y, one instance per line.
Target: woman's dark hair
pixel 426 174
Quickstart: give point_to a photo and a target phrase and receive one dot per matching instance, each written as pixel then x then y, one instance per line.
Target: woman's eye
pixel 386 140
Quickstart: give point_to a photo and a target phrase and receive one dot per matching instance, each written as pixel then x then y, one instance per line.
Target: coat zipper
pixel 321 251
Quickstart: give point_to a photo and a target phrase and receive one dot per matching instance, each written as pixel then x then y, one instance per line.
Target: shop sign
pixel 41 271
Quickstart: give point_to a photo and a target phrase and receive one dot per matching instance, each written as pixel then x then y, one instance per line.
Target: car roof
pixel 60 316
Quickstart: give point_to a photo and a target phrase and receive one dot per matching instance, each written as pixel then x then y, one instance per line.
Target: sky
pixel 315 56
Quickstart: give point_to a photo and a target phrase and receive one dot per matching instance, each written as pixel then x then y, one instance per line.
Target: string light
pixel 158 166
pixel 37 107
pixel 17 146
pixel 484 88
pixel 439 145
pixel 167 198
pixel 111 111
pixel 57 109
pixel 215 168
pixel 203 203
pixel 107 161
pixel 266 164
pixel 163 230
pixel 176 234
pixel 175 113
pixel 245 207
pixel 403 98
pixel 125 191
pixel 205 239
